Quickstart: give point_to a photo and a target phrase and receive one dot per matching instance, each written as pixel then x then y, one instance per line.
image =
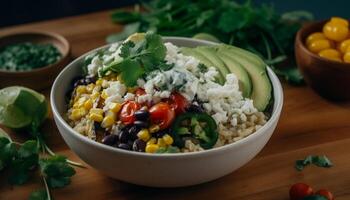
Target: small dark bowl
pixel 40 78
pixel 328 78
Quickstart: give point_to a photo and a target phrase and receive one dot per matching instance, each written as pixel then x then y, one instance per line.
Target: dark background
pixel 14 12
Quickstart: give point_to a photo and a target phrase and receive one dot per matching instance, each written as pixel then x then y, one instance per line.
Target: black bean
pixel 194 109
pixel 110 139
pixel 130 142
pixel 161 133
pixel 124 146
pixel 123 136
pixel 133 132
pixel 142 115
pixel 89 79
pixel 139 145
pixel 141 124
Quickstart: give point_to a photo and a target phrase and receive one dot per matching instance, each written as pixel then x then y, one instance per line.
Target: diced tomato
pixel 178 102
pixel 126 115
pixel 162 114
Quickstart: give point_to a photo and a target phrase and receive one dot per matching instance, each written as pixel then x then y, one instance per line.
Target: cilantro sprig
pixel 139 58
pixel 320 161
pixel 24 160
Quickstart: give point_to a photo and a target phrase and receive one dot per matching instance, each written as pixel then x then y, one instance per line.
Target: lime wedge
pixel 206 36
pixel 20 107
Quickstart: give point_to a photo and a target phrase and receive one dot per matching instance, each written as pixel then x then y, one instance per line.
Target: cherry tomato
pixel 300 190
pixel 340 21
pixel 314 36
pixel 331 54
pixel 127 112
pixel 162 114
pixel 346 57
pixel 343 46
pixel 177 102
pixel 335 32
pixel 319 45
pixel 140 92
pixel 325 193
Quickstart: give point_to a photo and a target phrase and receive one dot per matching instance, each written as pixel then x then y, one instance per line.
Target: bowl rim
pixel 277 93
pixel 50 34
pixel 299 40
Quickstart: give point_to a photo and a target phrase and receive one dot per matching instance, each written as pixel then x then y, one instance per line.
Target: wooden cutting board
pixel 308 125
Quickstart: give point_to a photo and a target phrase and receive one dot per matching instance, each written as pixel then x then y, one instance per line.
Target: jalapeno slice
pixel 199 126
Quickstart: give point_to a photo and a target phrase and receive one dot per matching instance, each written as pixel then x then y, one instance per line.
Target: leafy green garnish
pixel 139 59
pixel 320 161
pixel 56 171
pixel 244 24
pixel 7 151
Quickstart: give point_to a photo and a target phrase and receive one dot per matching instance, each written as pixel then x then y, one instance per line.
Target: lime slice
pixel 206 36
pixel 20 107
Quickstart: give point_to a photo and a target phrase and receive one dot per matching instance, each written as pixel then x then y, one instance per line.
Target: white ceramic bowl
pixel 161 170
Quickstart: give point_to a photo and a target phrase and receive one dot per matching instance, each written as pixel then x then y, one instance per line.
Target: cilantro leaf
pixel 320 161
pixel 24 161
pixel 38 195
pixel 56 171
pixel 125 49
pixel 131 70
pixel 7 152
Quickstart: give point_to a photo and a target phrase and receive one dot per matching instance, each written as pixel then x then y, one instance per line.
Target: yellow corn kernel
pixel 168 139
pixel 104 94
pixel 79 103
pixel 115 107
pixel 97 111
pixel 132 89
pixel 95 95
pixel 90 87
pixel 81 89
pixel 152 141
pixel 88 104
pixel 153 128
pixel 151 148
pixel 96 117
pixel 108 121
pixel 161 142
pixel 144 135
pixel 99 82
pixel 78 113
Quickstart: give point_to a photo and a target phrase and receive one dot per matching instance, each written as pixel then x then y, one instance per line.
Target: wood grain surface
pixel 308 125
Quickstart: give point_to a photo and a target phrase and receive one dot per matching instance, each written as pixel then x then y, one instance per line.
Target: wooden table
pixel 308 125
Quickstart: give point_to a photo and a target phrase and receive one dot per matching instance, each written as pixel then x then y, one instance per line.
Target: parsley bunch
pixel 23 160
pixel 139 58
pixel 259 29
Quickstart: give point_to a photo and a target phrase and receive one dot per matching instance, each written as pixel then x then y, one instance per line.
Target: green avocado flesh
pixel 248 67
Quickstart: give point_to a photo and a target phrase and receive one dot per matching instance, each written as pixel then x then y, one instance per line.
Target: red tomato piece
pixel 127 112
pixel 140 91
pixel 178 102
pixel 162 114
pixel 300 190
pixel 325 193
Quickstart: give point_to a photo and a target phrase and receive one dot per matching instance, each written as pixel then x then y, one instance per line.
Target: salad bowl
pixel 161 170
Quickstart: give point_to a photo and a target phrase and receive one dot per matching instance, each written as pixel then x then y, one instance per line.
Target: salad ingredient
pixel 319 45
pixel 325 193
pixel 142 115
pixel 299 191
pixel 206 36
pixel 231 22
pixel 199 125
pixel 335 31
pixel 27 56
pixel 331 54
pixel 320 161
pixel 162 114
pixel 178 102
pixel 127 113
pixel 21 107
pixel 346 57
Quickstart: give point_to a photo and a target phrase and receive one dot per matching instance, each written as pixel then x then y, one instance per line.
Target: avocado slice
pixel 256 68
pixel 210 54
pixel 202 59
pixel 235 67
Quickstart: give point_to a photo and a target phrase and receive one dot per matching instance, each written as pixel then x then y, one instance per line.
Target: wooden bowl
pixel 329 78
pixel 40 78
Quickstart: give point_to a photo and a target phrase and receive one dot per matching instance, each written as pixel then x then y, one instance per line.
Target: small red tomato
pixel 325 193
pixel 140 91
pixel 162 114
pixel 127 112
pixel 178 102
pixel 300 190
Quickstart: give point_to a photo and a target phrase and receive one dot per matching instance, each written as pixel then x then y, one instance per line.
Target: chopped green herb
pixel 202 68
pixel 320 161
pixel 27 56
